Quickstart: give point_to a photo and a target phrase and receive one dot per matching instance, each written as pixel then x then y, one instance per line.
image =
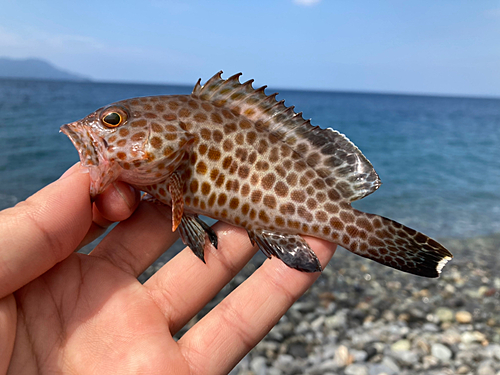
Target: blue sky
pixel 421 46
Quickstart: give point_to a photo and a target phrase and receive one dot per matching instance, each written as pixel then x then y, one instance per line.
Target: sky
pixel 446 47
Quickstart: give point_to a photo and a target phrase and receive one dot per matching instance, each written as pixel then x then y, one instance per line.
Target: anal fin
pixel 292 249
pixel 192 230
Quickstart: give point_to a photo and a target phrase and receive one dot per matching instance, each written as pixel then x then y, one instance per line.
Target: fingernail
pixel 70 171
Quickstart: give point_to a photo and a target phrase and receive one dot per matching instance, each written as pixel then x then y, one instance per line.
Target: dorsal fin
pixel 334 157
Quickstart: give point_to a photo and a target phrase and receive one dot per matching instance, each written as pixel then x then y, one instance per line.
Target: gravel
pixel 364 318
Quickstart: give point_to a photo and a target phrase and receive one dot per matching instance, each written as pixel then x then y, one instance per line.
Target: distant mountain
pixel 35 68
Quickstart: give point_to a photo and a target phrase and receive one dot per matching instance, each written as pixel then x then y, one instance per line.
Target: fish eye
pixel 113 118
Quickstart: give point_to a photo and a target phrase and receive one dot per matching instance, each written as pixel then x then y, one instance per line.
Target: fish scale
pixel 232 153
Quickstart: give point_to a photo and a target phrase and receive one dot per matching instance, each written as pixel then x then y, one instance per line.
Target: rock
pixel 327 366
pixel 389 316
pixel 450 289
pixel 329 351
pixel 463 317
pixel 401 345
pixel 242 367
pixel 469 357
pixel 297 350
pixel 470 337
pixel 441 352
pixel 444 314
pixel 281 331
pixel 339 320
pixel 485 368
pixel 268 346
pixel 483 290
pixel 406 357
pixel 493 351
pixel 358 355
pixel 258 366
pixel 305 307
pixel 302 328
pixel 288 365
pixel 342 357
pixel 283 361
pixel 386 367
pixel 363 339
pixel 430 327
pixel 429 361
pixel 356 369
pixel 417 314
pixel 422 345
pixel 371 351
pixel 464 369
pixel 451 337
pixel 317 323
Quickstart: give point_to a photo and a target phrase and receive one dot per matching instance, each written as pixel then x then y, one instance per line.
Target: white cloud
pixel 306 3
pixel 34 42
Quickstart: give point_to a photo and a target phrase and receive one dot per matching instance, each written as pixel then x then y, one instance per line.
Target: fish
pixel 235 154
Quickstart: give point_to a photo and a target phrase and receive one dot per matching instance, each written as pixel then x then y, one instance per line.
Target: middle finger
pixel 183 286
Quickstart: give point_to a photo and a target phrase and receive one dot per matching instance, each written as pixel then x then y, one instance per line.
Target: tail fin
pixel 395 245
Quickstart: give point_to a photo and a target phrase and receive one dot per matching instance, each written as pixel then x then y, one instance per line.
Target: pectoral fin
pixel 292 249
pixel 175 190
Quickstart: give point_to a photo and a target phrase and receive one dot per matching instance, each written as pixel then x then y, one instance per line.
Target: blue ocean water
pixel 438 157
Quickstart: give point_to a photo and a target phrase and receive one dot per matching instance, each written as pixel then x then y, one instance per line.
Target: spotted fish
pixel 233 153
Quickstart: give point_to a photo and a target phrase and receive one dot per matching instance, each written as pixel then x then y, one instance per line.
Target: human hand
pixel 64 312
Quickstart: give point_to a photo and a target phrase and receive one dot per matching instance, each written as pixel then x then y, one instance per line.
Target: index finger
pixel 43 230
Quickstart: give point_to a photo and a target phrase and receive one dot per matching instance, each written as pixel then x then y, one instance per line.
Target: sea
pixel 438 157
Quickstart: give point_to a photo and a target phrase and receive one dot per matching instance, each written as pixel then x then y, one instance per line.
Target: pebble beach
pixel 361 318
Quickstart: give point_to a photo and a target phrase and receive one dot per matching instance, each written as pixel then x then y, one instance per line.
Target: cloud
pixel 33 41
pixel 306 3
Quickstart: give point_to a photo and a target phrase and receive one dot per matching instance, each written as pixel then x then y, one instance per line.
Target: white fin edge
pixel 442 263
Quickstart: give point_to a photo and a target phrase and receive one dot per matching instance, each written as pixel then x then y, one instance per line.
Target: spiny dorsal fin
pixel 334 157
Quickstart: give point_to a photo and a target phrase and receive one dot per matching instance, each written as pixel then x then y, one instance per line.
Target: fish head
pixel 127 141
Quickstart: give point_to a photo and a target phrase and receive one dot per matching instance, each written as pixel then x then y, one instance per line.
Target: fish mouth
pixel 83 142
pixel 92 156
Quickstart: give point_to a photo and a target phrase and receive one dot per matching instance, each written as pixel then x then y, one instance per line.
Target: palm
pixel 89 315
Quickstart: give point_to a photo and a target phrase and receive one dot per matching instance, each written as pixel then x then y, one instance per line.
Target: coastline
pixel 363 318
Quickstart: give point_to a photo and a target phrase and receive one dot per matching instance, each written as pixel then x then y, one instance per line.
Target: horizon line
pixel 278 89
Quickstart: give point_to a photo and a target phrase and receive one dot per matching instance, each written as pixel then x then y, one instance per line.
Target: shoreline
pixel 363 318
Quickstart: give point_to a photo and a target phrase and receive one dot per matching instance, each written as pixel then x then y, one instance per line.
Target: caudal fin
pixel 395 245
